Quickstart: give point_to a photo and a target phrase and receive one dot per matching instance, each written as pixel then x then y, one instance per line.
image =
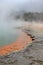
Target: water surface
pixel 8 32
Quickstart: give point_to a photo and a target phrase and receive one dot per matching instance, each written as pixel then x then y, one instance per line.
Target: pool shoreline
pixel 21 43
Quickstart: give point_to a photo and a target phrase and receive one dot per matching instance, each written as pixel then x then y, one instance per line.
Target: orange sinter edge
pixel 23 41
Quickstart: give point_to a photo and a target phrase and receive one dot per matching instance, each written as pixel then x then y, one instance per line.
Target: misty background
pixel 9 7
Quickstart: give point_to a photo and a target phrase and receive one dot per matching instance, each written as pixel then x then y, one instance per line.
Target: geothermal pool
pixel 8 32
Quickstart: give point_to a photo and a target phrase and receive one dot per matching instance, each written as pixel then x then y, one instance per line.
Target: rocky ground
pixel 31 55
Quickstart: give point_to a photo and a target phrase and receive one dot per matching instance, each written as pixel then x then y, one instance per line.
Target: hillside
pixel 30 16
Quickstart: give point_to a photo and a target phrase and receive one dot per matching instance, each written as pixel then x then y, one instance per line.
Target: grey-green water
pixel 8 33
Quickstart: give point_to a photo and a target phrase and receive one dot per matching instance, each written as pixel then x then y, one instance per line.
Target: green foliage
pixel 28 16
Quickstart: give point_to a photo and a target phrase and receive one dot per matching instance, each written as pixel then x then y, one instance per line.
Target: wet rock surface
pixel 31 55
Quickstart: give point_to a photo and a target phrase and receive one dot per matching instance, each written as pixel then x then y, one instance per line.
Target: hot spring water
pixel 8 33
